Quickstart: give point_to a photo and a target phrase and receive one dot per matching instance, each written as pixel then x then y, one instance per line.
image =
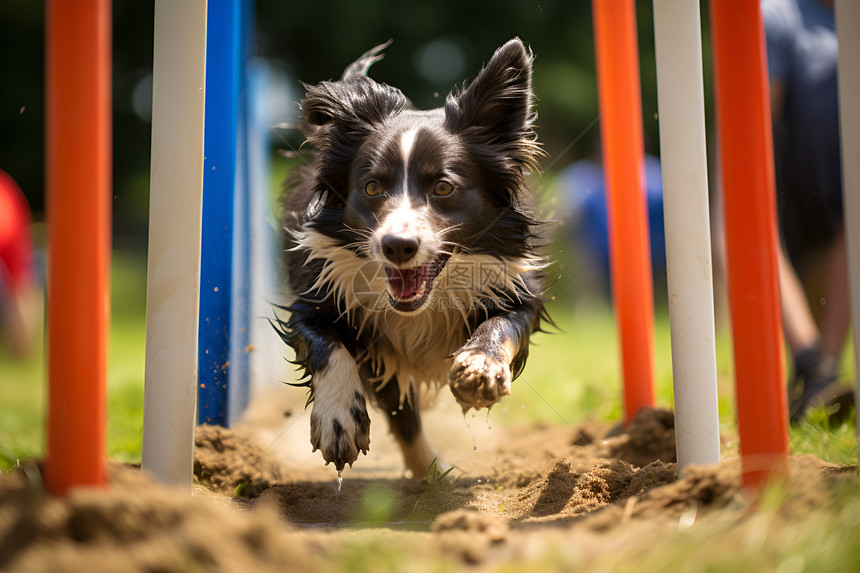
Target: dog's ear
pixel 354 105
pixel 495 111
pixel 339 116
pixel 356 101
pixel 361 66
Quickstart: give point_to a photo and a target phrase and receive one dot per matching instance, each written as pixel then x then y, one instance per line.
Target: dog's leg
pixel 405 423
pixel 481 372
pixel 340 426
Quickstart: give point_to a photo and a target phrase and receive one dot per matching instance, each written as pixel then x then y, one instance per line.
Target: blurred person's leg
pixel 836 311
pixel 798 323
pixel 815 346
pixel 23 312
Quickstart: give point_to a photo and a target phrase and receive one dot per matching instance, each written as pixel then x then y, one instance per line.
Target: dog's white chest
pixel 416 351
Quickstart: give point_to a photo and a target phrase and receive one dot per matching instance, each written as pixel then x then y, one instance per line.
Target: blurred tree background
pixel 437 45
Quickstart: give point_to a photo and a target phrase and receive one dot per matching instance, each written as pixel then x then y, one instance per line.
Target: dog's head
pixel 410 191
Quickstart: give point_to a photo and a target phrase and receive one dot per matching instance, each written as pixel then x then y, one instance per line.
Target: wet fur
pixel 472 330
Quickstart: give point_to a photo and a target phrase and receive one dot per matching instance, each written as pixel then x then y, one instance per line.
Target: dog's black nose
pixel 399 249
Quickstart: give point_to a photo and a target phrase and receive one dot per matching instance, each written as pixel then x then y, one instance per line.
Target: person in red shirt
pixel 21 302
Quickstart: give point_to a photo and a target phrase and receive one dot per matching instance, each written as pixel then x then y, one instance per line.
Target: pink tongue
pixel 405 283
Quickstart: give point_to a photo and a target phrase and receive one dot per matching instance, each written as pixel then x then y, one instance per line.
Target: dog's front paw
pixel 340 431
pixel 478 380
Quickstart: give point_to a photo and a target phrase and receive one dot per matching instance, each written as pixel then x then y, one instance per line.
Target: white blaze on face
pixel 407 141
pixel 401 221
pixel 406 219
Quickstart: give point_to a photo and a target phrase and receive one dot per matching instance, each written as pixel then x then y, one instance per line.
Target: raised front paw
pixel 478 380
pixel 340 430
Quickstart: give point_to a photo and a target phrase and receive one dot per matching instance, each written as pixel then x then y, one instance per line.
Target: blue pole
pixel 224 52
pixel 240 328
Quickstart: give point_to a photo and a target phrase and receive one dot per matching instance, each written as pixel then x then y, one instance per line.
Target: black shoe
pixel 814 383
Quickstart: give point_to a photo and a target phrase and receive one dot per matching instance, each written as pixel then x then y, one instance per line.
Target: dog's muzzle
pixel 409 289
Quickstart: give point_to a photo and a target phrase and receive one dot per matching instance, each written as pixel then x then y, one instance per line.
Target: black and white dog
pixel 412 251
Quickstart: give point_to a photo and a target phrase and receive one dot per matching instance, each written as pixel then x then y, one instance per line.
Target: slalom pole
pixel 78 148
pixel 749 195
pixel 681 106
pixel 848 34
pixel 223 74
pixel 173 279
pixel 623 160
pixel 244 284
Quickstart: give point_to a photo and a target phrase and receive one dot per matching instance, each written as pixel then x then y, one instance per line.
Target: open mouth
pixel 409 289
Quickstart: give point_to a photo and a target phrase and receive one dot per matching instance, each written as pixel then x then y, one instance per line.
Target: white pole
pixel 680 99
pixel 173 281
pixel 848 35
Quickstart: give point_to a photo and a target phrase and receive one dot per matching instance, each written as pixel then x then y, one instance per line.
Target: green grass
pixel 22 396
pixel 572 375
pixel 833 443
pixel 23 382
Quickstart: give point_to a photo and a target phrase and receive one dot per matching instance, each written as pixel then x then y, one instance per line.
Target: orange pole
pixel 623 160
pixel 78 148
pixel 746 152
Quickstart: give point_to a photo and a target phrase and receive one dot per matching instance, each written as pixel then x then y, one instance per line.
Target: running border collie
pixel 413 251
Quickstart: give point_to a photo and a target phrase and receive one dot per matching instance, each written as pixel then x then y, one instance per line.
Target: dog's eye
pixel 373 188
pixel 443 189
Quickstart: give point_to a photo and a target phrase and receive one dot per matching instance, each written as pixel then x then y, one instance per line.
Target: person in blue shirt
pixel 802 69
pixel 584 202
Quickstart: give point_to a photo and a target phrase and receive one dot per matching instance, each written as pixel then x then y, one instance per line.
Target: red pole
pixel 78 148
pixel 746 152
pixel 623 160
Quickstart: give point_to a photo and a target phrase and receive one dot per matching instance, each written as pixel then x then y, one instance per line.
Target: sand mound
pixel 137 525
pixel 250 513
pixel 565 492
pixel 231 462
